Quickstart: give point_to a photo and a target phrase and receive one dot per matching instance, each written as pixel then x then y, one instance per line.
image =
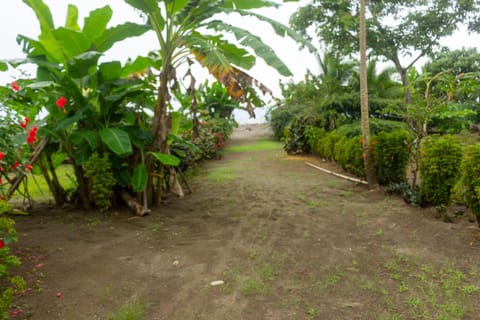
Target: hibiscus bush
pixel 18 138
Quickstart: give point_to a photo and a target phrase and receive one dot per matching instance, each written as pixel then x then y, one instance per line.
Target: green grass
pixel 38 188
pixel 261 145
pixel 133 309
pixel 221 174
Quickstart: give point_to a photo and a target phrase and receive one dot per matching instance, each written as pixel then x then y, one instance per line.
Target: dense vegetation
pixel 320 115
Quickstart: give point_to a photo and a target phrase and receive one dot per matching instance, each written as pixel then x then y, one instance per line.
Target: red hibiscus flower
pixel 25 123
pixel 1 155
pixel 61 102
pixel 16 164
pixel 29 167
pixel 15 86
pixel 2 244
pixel 32 135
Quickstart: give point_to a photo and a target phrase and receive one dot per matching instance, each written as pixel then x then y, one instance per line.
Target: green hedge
pixel 390 153
pixel 439 168
pixel 470 179
pixel 391 156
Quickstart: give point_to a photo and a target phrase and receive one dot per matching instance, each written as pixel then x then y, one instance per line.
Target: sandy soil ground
pixel 285 240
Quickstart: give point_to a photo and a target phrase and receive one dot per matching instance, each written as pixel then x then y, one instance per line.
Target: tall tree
pixel 368 161
pixel 396 29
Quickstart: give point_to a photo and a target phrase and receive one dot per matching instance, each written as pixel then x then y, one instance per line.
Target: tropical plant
pixel 90 106
pixel 179 26
pixel 432 96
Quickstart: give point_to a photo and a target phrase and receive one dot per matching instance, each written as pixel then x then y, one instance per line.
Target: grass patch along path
pixel 263 236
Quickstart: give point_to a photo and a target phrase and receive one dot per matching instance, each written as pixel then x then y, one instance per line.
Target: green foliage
pixel 470 179
pixel 99 172
pixel 376 127
pixel 326 145
pixel 349 154
pixel 391 156
pixel 296 140
pixel 439 169
pixel 280 118
pixel 9 284
pixel 133 309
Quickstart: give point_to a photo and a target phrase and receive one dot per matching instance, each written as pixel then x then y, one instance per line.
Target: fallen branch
pixel 138 209
pixel 336 174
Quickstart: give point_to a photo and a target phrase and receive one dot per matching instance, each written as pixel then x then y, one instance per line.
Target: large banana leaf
pixel 96 23
pixel 151 9
pixel 119 33
pixel 72 42
pixel 221 48
pixel 166 159
pixel 281 29
pixel 248 4
pixel 116 140
pixel 81 65
pixel 72 18
pixel 139 178
pixel 44 16
pixel 249 40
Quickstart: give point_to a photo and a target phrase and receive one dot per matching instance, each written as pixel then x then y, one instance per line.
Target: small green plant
pixel 334 277
pixel 9 284
pixel 133 309
pixel 99 171
pixel 312 312
pixel 255 287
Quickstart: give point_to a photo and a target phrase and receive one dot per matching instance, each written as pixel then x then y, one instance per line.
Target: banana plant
pixel 88 102
pixel 190 30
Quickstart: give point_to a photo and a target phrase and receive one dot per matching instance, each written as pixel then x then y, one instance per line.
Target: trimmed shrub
pixel 470 179
pixel 325 146
pixel 349 154
pixel 313 134
pixel 391 156
pixel 439 169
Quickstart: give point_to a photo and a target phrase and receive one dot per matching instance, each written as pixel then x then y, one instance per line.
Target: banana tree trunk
pixel 159 130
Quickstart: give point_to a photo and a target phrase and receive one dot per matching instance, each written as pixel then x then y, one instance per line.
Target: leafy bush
pixel 313 134
pixel 439 168
pixel 9 284
pixel 99 172
pixel 470 179
pixel 325 146
pixel 296 140
pixel 349 154
pixel 280 118
pixel 391 156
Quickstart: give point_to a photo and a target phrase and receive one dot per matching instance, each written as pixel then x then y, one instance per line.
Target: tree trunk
pixel 56 189
pixel 368 159
pixel 159 144
pixel 82 189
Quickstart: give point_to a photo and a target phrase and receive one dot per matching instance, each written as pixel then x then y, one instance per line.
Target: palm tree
pixel 368 161
pixel 188 30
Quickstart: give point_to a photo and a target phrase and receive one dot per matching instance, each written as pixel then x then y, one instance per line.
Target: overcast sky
pixel 17 18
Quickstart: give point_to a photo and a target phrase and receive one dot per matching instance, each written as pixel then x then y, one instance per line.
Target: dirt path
pixel 289 242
